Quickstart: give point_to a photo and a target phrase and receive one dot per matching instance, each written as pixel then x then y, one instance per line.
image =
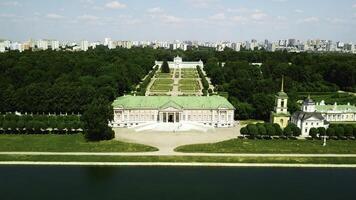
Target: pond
pixel 58 182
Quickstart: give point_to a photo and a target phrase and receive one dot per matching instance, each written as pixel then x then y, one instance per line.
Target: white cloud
pixel 281 18
pixel 10 3
pixel 87 1
pixel 8 16
pixel 239 19
pixel 202 3
pixel 155 10
pixel 354 6
pixel 54 16
pixel 298 11
pixel 170 19
pixel 115 5
pixel 336 20
pixel 258 16
pixel 218 16
pixel 309 20
pixel 88 18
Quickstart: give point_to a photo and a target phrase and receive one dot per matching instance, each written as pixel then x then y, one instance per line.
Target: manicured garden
pixel 162 85
pixel 274 146
pixel 65 143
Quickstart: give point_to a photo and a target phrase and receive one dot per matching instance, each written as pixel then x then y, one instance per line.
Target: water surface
pixel 153 183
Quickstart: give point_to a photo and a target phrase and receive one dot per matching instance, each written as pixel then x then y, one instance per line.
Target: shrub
pixel 271 131
pixel 321 131
pixel 288 131
pixel 278 129
pixel 261 129
pixel 313 132
pixel 252 130
pixel 244 131
pixel 348 130
pixel 330 132
pixel 339 131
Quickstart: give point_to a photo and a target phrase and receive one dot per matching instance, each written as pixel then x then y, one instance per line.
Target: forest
pixel 59 82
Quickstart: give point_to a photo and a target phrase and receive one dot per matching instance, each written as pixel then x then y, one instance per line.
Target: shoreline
pixel 158 153
pixel 175 164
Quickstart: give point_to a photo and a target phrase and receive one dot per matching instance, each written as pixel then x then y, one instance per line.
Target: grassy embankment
pixel 273 146
pixel 65 143
pixel 179 159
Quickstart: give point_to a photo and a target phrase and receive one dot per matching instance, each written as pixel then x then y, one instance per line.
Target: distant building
pixel 308 118
pixel 280 115
pixel 178 63
pixel 84 45
pixel 337 113
pixel 54 44
pixel 236 46
pixel 42 44
pixel 271 47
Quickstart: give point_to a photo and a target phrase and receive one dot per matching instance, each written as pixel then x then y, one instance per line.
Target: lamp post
pixel 324 140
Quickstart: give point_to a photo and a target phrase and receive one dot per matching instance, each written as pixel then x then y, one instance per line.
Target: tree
pixel 321 131
pixel 313 132
pixel 252 130
pixel 165 67
pixel 288 131
pixel 271 131
pixel 244 131
pixel 261 129
pixel 348 130
pixel 330 131
pixel 296 130
pixel 278 129
pixel 339 131
pixel 96 118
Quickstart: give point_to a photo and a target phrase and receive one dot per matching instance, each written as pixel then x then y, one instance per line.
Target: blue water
pixel 48 182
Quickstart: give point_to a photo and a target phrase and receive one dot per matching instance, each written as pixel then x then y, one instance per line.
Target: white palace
pixel 178 63
pixel 210 111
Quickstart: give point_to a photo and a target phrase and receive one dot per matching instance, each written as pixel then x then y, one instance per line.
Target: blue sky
pixel 208 20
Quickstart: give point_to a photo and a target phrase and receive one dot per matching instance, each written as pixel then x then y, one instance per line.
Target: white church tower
pixel 280 115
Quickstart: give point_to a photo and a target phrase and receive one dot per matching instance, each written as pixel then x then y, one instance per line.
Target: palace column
pixel 166 117
pixel 174 117
pixel 212 116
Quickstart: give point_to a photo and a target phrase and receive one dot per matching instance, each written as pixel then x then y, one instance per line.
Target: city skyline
pixel 203 20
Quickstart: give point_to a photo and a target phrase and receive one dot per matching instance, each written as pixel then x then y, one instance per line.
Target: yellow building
pixel 280 115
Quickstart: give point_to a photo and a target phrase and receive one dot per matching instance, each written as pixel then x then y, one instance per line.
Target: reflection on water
pixel 48 182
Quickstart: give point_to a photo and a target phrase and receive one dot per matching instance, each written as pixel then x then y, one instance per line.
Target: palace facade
pixel 178 63
pixel 337 113
pixel 214 111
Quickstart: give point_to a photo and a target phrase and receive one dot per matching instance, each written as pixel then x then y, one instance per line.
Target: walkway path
pixel 178 164
pixel 175 90
pixel 157 153
pixel 166 142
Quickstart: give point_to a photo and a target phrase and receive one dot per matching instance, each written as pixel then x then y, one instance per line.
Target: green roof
pixel 282 95
pixel 274 114
pixel 325 108
pixel 179 102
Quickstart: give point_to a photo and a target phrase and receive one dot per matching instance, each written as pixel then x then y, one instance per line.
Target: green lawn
pixel 65 143
pixel 164 75
pixel 273 146
pixel 163 81
pixel 178 159
pixel 189 85
pixel 161 88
